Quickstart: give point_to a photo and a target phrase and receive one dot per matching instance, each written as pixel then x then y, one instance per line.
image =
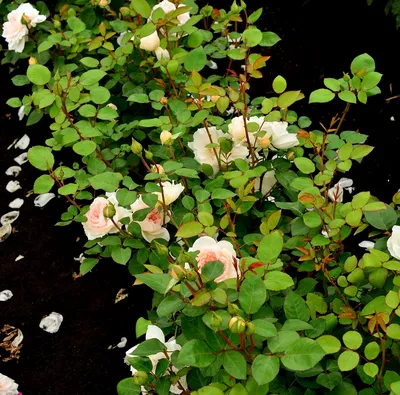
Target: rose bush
pixel 232 208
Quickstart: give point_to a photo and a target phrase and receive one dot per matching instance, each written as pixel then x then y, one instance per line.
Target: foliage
pixel 392 7
pixel 160 170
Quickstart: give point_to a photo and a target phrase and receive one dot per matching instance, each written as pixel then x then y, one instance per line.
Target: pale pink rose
pixel 97 225
pixel 8 386
pixel 152 226
pixel 151 42
pixel 171 192
pixel 212 250
pixel 15 32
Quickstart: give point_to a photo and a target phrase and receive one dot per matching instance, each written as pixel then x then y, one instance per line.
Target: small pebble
pixel 51 323
pixel 13 171
pixel 13 186
pixel 16 203
pixel 43 199
pixel 21 159
pixel 23 142
pixel 5 295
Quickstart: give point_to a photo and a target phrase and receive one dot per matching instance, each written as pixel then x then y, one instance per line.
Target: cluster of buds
pixel 237 324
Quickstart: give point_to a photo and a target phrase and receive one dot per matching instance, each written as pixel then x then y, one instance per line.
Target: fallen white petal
pixel 13 186
pixel 23 142
pixel 43 199
pixel 21 159
pixel 13 171
pixel 9 218
pixel 19 257
pixel 350 189
pixel 122 343
pixel 21 113
pixel 51 323
pixel 16 203
pixel 80 258
pixel 392 119
pixel 212 65
pixel 345 182
pixel 5 295
pixel 367 244
pixel 18 339
pixel 12 144
pixel 5 231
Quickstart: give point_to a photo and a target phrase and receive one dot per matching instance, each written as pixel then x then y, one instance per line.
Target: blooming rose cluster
pixel 152 42
pixel 19 21
pixel 98 225
pixel 8 386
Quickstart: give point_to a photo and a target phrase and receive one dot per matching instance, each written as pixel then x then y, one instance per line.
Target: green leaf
pixel 371 369
pixel 305 165
pixel 68 189
pixel 108 181
pixel 329 380
pixel 139 98
pixel 38 74
pixel 85 147
pixel 223 194
pixel 370 80
pixel 141 326
pixel 121 255
pixel 269 39
pixel 41 157
pixel 282 341
pixel 360 200
pixel 265 368
pixel 128 387
pixel 252 294
pixel 142 8
pixel 348 360
pixel 209 390
pixel 189 229
pixel 205 218
pixel 90 62
pixel 277 281
pixel 169 305
pixel 383 219
pixel 361 151
pixel 195 59
pixel 302 355
pixel 100 95
pixel 149 347
pixel 107 113
pixel 393 331
pixel 14 102
pixel 254 16
pixel 312 219
pixel 279 85
pixel 270 247
pixel 141 363
pixel 352 340
pixel 348 97
pixel 288 98
pixel 125 197
pixel 264 328
pixel 321 96
pixel 252 37
pixel 91 77
pixel 196 353
pixel 235 364
pixel 158 282
pixel 372 350
pixel 363 63
pixel 87 265
pixel 295 307
pixel 332 84
pixel 43 184
pixel 212 270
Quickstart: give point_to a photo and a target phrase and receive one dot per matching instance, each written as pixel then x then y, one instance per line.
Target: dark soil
pixel 319 39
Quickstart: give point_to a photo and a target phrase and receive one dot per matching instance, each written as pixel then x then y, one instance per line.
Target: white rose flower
pixel 167 7
pixel 280 137
pixel 14 31
pixel 162 53
pixel 154 332
pixel 183 18
pixel 151 42
pixel 212 250
pixel 336 193
pixel 97 225
pixel 205 155
pixel 171 192
pixel 268 182
pixel 393 243
pixel 237 130
pixel 152 226
pixel 8 386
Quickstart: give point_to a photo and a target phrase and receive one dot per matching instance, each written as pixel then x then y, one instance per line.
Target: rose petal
pixel 51 323
pixel 19 257
pixel 5 231
pixel 13 171
pixel 23 142
pixel 21 159
pixel 9 218
pixel 18 339
pixel 5 295
pixel 367 244
pixel 13 186
pixel 122 343
pixel 154 332
pixel 16 203
pixel 43 199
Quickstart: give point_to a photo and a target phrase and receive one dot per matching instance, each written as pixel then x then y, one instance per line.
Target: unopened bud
pixel 216 320
pixel 206 11
pixel 237 324
pixel 57 24
pixel 161 248
pixel 109 211
pixel 103 3
pixel 125 11
pixel 250 328
pixel 191 275
pixel 264 142
pixel 291 155
pixel 112 106
pixel 214 98
pixel 148 155
pixel 235 7
pixel 233 308
pixel 140 377
pixel 136 147
pixel 165 137
pixel 396 198
pixel 32 60
pixel 164 101
pixel 346 77
pixel 25 20
pixel 157 169
pixel 177 272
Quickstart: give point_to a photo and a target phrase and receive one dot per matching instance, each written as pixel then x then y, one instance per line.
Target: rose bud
pixel 109 211
pixel 165 137
pixel 177 272
pixel 136 147
pixel 140 377
pixel 250 328
pixel 264 142
pixel 151 42
pixel 237 324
